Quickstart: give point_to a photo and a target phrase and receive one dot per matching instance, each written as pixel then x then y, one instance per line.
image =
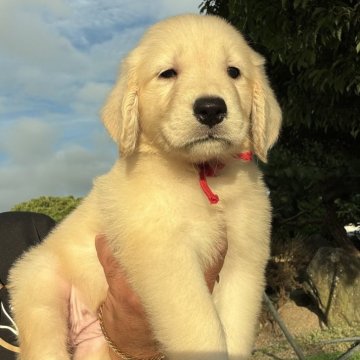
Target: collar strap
pixel 246 156
pixel 205 169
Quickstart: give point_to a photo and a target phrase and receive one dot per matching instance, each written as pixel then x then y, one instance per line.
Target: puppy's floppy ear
pixel 120 112
pixel 265 112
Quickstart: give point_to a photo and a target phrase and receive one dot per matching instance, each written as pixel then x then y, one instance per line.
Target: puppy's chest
pixel 207 236
pixel 173 204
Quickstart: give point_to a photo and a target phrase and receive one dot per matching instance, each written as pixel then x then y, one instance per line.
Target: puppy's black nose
pixel 210 110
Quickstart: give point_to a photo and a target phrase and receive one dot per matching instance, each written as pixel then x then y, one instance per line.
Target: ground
pixel 308 333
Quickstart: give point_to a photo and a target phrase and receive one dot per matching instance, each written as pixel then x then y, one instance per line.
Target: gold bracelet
pixel 114 348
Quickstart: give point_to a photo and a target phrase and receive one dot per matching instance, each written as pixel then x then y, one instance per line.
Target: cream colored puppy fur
pixel 158 221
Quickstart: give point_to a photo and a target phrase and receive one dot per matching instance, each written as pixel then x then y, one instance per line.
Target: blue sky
pixel 58 60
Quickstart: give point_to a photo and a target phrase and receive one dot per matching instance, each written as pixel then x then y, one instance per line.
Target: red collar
pixel 206 169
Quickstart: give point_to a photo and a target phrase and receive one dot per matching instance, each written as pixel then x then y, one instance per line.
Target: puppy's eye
pixel 233 72
pixel 167 74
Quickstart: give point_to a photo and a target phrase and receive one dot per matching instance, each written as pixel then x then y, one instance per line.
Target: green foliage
pixel 55 207
pixel 313 53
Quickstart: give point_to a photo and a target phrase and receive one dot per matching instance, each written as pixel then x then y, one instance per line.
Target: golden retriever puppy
pixel 191 103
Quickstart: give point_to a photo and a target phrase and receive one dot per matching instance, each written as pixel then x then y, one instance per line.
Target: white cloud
pixel 28 139
pixel 37 62
pixel 25 35
pixel 58 61
pixel 91 95
pixel 36 168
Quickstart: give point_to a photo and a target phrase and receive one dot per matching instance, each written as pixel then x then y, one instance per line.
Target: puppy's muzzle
pixel 210 111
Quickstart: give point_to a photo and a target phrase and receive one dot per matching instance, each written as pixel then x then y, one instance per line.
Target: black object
pixel 18 231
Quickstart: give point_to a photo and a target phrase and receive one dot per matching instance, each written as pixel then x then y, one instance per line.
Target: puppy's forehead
pixel 202 34
pixel 194 26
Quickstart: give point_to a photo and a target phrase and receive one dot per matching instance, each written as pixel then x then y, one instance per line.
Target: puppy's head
pixel 195 88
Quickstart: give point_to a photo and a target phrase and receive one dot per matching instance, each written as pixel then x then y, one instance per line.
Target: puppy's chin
pixel 206 151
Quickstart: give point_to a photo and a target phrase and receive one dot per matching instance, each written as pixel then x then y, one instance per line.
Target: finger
pixel 212 273
pixel 101 248
pixel 111 267
pixel 106 257
pixel 119 287
pixel 223 248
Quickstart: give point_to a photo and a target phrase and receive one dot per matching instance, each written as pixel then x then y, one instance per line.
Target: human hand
pixel 124 317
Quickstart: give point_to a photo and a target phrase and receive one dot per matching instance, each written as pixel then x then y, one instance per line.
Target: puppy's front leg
pixel 171 285
pixel 238 299
pixel 40 306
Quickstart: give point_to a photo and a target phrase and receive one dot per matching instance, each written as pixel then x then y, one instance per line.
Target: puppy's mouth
pixel 207 140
